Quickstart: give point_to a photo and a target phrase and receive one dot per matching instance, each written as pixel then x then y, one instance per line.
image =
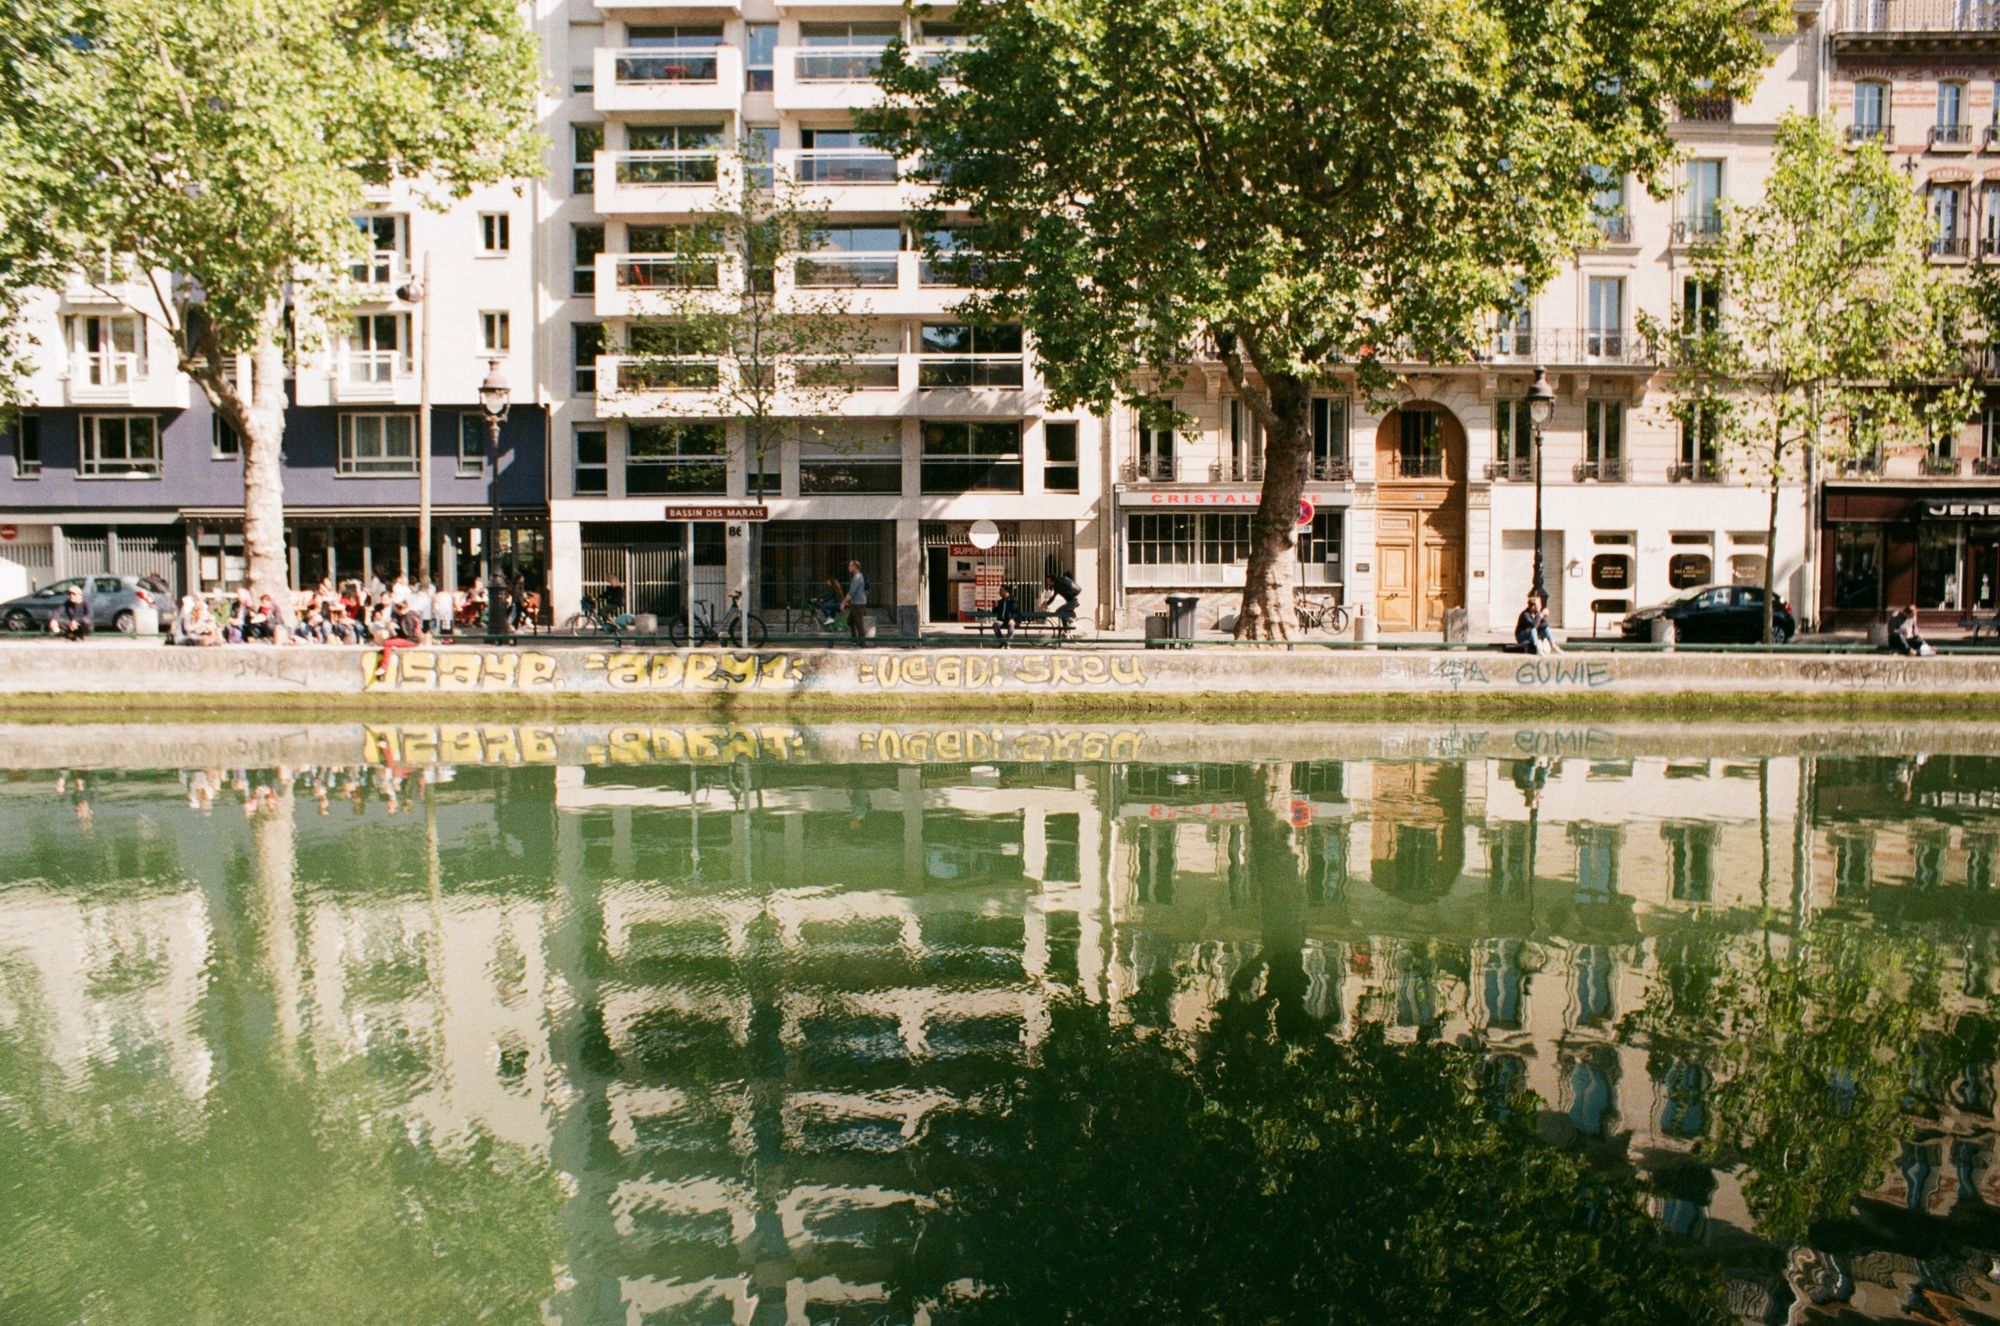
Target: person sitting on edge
pixel 406 631
pixel 312 628
pixel 1531 629
pixel 855 602
pixel 611 602
pixel 1006 616
pixel 1063 586
pixel 1903 636
pixel 72 617
pixel 265 625
pixel 340 629
pixel 194 624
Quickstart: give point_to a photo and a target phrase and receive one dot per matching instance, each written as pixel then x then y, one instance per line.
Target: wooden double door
pixel 1419 566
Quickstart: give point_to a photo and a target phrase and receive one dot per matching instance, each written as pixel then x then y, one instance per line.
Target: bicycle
pixel 825 618
pixel 594 619
pixel 1321 614
pixel 708 631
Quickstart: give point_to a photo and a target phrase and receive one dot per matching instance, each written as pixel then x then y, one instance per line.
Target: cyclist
pixel 1063 586
pixel 611 603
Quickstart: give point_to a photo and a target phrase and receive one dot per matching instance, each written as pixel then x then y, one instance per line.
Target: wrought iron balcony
pixel 1708 110
pixel 1702 471
pixel 1873 131
pixel 1864 18
pixel 1612 470
pixel 1951 135
pixel 1951 246
pixel 1616 227
pixel 1514 469
pixel 1151 469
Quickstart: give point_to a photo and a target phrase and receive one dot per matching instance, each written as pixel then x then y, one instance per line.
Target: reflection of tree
pixel 1287 1179
pixel 1817 1054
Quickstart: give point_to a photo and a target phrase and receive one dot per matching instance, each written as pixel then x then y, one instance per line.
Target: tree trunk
pixel 1771 526
pixel 1268 578
pixel 263 431
pixel 1273 863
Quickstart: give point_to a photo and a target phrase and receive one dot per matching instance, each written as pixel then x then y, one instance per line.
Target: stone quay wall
pixel 347 679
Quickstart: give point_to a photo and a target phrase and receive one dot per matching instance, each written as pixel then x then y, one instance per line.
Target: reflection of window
pixel 1857 566
pixel 1502 986
pixel 1063 861
pixel 1326 863
pixel 1690 861
pixel 1979 854
pixel 1589 1098
pixel 1927 861
pixel 1684 1100
pixel 1853 862
pixel 1594 968
pixel 1689 570
pixel 1596 862
pixel 1153 863
pixel 1507 850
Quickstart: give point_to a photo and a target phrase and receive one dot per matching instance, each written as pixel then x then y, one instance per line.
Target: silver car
pixel 111 598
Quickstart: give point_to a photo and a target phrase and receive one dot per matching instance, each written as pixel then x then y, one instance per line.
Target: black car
pixel 1717 615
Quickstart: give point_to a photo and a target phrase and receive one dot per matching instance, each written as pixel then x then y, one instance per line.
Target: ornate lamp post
pixel 1541 405
pixel 494 398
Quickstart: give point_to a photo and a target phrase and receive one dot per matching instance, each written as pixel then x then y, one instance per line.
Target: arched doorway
pixel 1419 517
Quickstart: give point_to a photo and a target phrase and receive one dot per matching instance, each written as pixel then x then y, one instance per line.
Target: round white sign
pixel 983 534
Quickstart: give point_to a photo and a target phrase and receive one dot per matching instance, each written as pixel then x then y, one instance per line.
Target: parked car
pixel 111 598
pixel 1716 615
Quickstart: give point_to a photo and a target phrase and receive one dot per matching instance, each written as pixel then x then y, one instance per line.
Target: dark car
pixel 111 599
pixel 1717 615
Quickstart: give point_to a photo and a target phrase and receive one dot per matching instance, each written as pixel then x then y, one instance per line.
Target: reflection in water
pixel 774 1039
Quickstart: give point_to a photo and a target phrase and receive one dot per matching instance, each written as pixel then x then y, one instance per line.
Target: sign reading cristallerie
pixel 1160 497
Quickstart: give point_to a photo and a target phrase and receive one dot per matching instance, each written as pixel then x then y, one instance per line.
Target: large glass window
pixel 587 341
pixel 1319 548
pixel 675 458
pixel 1420 444
pixel 1329 434
pixel 1604 440
pixel 1703 218
pixel 1952 128
pixel 843 156
pixel 1940 555
pixel 971 457
pixel 959 354
pixel 471 445
pixel 1701 442
pixel 1060 473
pixel 1606 336
pixel 1513 439
pixel 1194 538
pixel 1871 107
pixel 384 239
pixel 852 457
pixel 585 142
pixel 120 445
pixel 1608 202
pixel 858 255
pixel 760 55
pixel 843 52
pixel 589 458
pixel 671 154
pixel 1947 205
pixel 1246 444
pixel 586 242
pixel 1857 567
pixel 376 347
pixel 376 444
pixel 109 350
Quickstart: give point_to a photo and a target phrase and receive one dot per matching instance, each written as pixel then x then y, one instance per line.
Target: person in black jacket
pixel 1006 616
pixel 1531 629
pixel 72 618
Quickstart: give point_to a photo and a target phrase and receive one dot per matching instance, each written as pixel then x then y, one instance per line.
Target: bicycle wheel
pixel 757 633
pixel 1307 621
pixel 1082 629
pixel 1335 618
pixel 677 634
pixel 579 623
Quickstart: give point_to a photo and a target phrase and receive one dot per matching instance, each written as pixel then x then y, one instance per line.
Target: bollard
pixel 1878 634
pixel 1663 631
pixel 145 621
pixel 646 623
pixel 1364 625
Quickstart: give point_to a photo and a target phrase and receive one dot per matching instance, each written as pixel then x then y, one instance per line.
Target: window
pixel 1513 439
pixel 1608 203
pixel 1701 306
pixel 378 444
pixel 851 256
pixel 1153 457
pixel 585 142
pixel 384 239
pixel 843 156
pixel 1947 206
pixel 1701 441
pixel 760 55
pixel 1246 444
pixel 1940 554
pixel 967 457
pixel 224 442
pixel 495 336
pixel 1703 218
pixel 1060 473
pixel 1689 570
pixel 675 458
pixel 587 341
pixel 950 258
pixel 586 242
pixel 668 154
pixel 852 457
pixel 1606 336
pixel 375 348
pixel 1989 219
pixel 589 462
pixel 1319 548
pixel 109 351
pixel 1951 128
pixel 471 445
pixel 27 435
pixel 121 446
pixel 958 354
pixel 1420 444
pixel 1871 104
pixel 1195 538
pixel 1514 334
pixel 495 233
pixel 1857 566
pixel 1329 435
pixel 683 53
pixel 761 145
pixel 1604 440
pixel 1690 861
pixel 843 52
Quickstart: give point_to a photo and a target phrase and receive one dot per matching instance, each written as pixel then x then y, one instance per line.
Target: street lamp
pixel 1541 405
pixel 494 398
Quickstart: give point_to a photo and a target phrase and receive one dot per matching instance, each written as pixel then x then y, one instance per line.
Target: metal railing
pixel 1570 347
pixel 1699 225
pixel 1511 469
pixel 865 373
pixel 1702 471
pixel 1708 110
pixel 365 366
pixel 829 165
pixel 1614 469
pixel 1873 131
pixel 959 270
pixel 970 371
pixel 1986 466
pixel 666 271
pixel 1934 465
pixel 1399 466
pixel 832 270
pixel 1151 469
pixel 641 372
pixel 1859 467
pixel 109 368
pixel 697 165
pixel 1915 16
pixel 382 267
pixel 1951 135
pixel 837 64
pixel 1329 469
pixel 1236 471
pixel 643 65
pixel 1950 246
pixel 1616 227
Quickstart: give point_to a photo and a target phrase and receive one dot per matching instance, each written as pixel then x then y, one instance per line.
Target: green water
pixel 876 1024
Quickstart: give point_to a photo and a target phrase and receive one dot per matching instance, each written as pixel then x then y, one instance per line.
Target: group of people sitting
pixel 350 613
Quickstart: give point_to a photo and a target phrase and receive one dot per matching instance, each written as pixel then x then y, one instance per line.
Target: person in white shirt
pixel 444 610
pixel 423 604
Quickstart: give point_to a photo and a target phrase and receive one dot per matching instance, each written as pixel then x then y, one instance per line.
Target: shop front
pixel 961 577
pixel 1194 541
pixel 1936 547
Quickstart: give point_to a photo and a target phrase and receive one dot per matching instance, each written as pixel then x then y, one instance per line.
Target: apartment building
pixel 119 465
pixel 944 424
pixel 1922 78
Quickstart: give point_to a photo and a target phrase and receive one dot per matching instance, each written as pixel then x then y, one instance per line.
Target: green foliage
pixel 1288 1179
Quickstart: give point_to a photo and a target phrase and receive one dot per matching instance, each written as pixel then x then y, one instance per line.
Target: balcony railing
pixel 969 371
pixel 1570 347
pixel 108 368
pixel 1951 135
pixel 837 64
pixel 700 165
pixel 1329 469
pixel 668 373
pixel 382 267
pixel 826 165
pixel 1859 467
pixel 829 271
pixel 361 367
pixel 1511 469
pixel 1872 131
pixel 1989 245
pixel 1236 471
pixel 867 373
pixel 665 271
pixel 643 66
pixel 1399 466
pixel 960 269
pixel 1698 225
pixel 1886 17
pixel 1151 469
pixel 1615 469
pixel 1951 246
pixel 1702 471
pixel 1708 110
pixel 1616 227
pixel 1932 464
pixel 1986 466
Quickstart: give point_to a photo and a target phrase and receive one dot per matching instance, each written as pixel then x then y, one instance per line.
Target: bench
pixel 982 621
pixel 1991 626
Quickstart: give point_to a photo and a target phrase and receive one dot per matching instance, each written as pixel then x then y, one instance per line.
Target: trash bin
pixel 1156 630
pixel 1180 616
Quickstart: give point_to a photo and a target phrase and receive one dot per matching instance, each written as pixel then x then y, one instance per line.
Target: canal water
pixel 769 1024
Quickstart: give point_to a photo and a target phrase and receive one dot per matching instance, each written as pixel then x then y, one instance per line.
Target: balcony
pixel 119 377
pixel 847 180
pixel 1933 466
pixel 372 377
pixel 1329 469
pixel 1612 470
pixel 1151 469
pixel 1237 471
pixel 649 386
pixel 1570 347
pixel 867 386
pixel 662 181
pixel 1616 227
pixel 1702 471
pixel 644 79
pixel 1396 465
pixel 1951 138
pixel 1708 110
pixel 1918 25
pixel 970 371
pixel 1512 469
pixel 1859 467
pixel 1952 248
pixel 1986 467
pixel 866 284
pixel 716 7
pixel 1871 131
pixel 1698 227
pixel 826 78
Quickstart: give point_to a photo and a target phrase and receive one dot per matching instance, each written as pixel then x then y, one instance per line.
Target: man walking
pixel 855 601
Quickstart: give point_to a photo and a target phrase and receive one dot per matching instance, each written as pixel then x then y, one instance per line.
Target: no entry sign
pixel 9 533
pixel 1306 511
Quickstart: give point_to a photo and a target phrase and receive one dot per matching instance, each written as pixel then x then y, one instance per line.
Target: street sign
pixel 690 512
pixel 9 533
pixel 1306 510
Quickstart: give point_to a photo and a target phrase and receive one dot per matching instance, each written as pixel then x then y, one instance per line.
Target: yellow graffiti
pixel 975 672
pixel 458 743
pixel 957 745
pixel 718 743
pixel 696 671
pixel 532 671
pixel 472 670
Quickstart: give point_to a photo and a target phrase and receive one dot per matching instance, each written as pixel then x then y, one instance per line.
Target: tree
pixel 1829 314
pixel 1302 188
pixel 203 162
